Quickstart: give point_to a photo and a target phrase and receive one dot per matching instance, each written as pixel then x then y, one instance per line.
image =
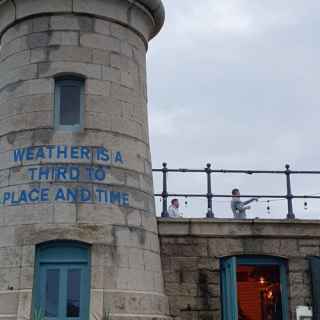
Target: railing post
pixel 210 213
pixel 164 213
pixel 289 196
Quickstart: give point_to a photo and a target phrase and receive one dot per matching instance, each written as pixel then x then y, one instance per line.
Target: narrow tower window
pixel 69 97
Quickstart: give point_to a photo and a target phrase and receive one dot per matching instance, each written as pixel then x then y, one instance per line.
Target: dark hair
pixel 234 191
pixel 173 201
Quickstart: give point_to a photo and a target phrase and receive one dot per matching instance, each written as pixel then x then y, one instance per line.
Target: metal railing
pixel 210 195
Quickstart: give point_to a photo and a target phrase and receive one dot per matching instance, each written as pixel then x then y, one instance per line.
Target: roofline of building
pixel 157 10
pixel 154 7
pixel 231 228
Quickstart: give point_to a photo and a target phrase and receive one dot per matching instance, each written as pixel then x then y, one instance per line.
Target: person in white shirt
pixel 173 211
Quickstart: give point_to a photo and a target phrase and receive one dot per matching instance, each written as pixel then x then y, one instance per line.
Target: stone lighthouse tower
pixel 78 234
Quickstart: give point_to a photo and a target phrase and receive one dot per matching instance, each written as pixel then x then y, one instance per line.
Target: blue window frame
pixel 229 274
pixel 314 262
pixel 69 104
pixel 62 281
pixel 229 288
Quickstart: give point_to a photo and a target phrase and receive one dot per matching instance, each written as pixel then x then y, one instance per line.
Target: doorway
pixel 254 288
pixel 62 281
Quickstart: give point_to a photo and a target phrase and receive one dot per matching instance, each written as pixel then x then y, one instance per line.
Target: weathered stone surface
pixel 100 88
pixel 50 69
pixel 29 7
pixel 191 252
pixel 9 302
pixel 44 40
pixel 69 53
pixel 97 41
pixel 25 302
pixel 7 14
pixel 71 22
pixel 40 24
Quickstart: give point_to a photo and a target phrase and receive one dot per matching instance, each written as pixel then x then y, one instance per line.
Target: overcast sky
pixel 236 83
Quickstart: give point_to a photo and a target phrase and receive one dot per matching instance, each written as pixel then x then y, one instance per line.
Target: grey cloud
pixel 236 83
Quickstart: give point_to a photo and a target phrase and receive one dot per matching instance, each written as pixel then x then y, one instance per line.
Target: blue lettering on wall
pixel 67 195
pixel 60 195
pixel 93 168
pixel 85 195
pixel 34 195
pixel 72 195
pixel 74 153
pixel 67 173
pixel 62 152
pixel 65 152
pixel 74 173
pixel 30 154
pixel 18 155
pixel 85 153
pixel 6 197
pixel 44 195
pixel 118 157
pixel 103 154
pixel 40 155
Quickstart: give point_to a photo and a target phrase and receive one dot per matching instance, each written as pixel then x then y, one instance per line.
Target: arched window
pixel 69 103
pixel 254 287
pixel 62 281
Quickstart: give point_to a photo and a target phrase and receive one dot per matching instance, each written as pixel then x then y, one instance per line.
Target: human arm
pixel 249 201
pixel 238 209
pixel 237 206
pixel 241 206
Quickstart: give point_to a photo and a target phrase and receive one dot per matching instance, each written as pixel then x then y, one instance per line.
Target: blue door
pixel 62 281
pixel 254 287
pixel 315 280
pixel 229 288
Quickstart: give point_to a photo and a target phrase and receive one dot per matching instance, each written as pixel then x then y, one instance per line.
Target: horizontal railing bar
pixel 180 170
pixel 197 195
pixel 304 172
pixel 306 197
pixel 189 195
pixel 249 171
pixel 288 197
pixel 236 171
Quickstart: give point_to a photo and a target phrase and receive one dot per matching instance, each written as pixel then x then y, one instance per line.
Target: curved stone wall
pixel 104 42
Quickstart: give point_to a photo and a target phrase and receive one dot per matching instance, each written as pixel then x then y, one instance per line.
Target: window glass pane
pixel 70 104
pixel 52 293
pixel 73 296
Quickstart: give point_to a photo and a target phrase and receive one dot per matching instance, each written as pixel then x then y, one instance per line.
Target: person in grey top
pixel 238 207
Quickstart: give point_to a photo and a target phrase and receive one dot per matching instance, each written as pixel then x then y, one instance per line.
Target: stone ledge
pixel 146 17
pixel 219 228
pixel 157 9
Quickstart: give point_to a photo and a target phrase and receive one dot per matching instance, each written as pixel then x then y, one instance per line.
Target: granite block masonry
pixel 92 187
pixel 192 249
pixel 95 185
